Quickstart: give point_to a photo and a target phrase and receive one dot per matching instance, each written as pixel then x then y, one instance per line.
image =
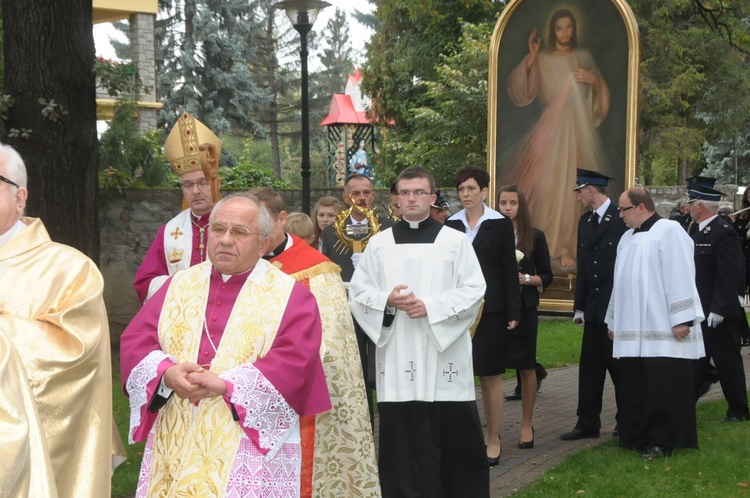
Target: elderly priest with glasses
pixel 55 375
pixel 220 365
pixel 193 151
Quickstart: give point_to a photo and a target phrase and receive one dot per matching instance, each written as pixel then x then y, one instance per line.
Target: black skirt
pixel 522 341
pixel 490 345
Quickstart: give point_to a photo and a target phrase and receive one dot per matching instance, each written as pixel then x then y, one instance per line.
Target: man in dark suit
pixel 599 231
pixel 720 281
pixel 358 189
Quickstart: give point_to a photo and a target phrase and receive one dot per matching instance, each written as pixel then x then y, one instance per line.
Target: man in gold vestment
pixel 52 312
pixel 338 452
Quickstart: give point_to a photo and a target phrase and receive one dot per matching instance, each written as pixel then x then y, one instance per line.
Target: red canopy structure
pixel 350 134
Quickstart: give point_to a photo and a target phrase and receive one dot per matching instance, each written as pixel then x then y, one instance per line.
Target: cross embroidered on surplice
pixel 456 314
pixel 449 372
pixel 410 371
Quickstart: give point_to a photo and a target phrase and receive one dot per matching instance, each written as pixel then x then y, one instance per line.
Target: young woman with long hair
pixel 323 214
pixel 534 274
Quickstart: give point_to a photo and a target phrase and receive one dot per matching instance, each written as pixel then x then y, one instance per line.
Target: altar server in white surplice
pixel 654 318
pixel 416 292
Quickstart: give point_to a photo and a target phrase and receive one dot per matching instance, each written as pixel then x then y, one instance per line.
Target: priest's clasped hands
pixel 407 302
pixel 192 381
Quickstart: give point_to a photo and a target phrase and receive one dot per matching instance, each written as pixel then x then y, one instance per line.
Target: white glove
pixel 578 317
pixel 714 320
pixel 356 256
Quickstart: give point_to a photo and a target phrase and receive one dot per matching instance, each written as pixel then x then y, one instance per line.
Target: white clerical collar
pixel 415 224
pixel 225 278
pixel 197 217
pixel 289 242
pixel 17 227
pixel 602 210
pixel 703 223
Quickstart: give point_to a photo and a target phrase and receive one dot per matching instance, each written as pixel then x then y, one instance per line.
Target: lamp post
pixel 302 15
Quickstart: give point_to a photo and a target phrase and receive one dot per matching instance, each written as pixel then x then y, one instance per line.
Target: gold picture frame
pixel 607 34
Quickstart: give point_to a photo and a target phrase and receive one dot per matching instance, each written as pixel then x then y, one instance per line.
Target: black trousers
pixel 657 403
pixel 432 449
pixel 596 361
pixel 722 345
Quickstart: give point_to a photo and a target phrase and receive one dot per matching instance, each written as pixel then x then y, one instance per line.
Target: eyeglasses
pixel 203 184
pixel 622 209
pixel 417 193
pixel 9 182
pixel 238 232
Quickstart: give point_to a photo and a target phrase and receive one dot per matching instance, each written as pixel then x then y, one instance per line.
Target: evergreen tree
pixel 337 61
pixel 204 49
pixel 403 54
pixel 277 40
pixel 686 70
pixel 451 131
pixel 336 64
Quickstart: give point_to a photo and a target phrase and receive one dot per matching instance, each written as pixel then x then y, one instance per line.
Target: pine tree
pixel 205 49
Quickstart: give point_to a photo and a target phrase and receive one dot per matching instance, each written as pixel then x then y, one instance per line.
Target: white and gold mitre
pixel 182 146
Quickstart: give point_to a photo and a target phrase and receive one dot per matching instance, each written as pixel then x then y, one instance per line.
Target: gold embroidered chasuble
pixel 344 460
pixel 51 308
pixel 27 471
pixel 194 447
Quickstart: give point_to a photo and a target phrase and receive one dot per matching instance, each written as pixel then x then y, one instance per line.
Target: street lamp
pixel 302 15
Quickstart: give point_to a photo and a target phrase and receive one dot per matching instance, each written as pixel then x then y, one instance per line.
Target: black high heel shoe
pixel 527 445
pixel 495 461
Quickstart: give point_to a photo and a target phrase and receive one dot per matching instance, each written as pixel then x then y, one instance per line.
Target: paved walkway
pixel 555 413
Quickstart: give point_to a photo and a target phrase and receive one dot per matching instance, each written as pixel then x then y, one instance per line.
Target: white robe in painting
pixel 654 290
pixel 544 164
pixel 423 359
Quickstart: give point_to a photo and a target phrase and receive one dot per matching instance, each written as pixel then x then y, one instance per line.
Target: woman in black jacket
pixel 534 274
pixel 491 236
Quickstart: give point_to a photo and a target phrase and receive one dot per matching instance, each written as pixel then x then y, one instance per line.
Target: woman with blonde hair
pixel 534 274
pixel 323 214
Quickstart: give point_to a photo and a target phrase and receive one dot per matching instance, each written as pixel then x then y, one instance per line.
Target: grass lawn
pixel 125 479
pixel 720 468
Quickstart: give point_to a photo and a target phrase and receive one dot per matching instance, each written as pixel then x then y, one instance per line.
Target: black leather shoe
pixel 514 396
pixel 539 379
pixel 703 389
pixel 527 445
pixel 577 434
pixel 616 432
pixel 732 418
pixel 494 461
pixel 656 451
